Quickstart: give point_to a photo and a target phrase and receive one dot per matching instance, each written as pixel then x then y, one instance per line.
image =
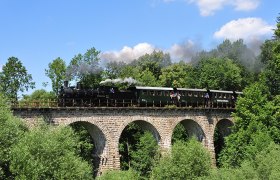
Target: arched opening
pixel 129 139
pixel 92 143
pixel 187 129
pixel 222 129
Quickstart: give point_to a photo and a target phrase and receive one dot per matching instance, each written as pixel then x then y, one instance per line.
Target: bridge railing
pixel 35 104
pixel 120 103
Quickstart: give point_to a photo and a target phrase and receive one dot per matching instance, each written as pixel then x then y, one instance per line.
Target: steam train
pixel 140 96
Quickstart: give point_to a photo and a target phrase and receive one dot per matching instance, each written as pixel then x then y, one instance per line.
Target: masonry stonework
pixel 107 124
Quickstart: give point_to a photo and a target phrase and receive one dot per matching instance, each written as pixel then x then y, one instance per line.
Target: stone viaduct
pixel 107 124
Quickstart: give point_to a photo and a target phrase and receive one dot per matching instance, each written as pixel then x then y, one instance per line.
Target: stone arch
pixel 223 126
pixel 96 134
pixel 145 125
pixel 221 130
pixel 193 128
pixel 103 143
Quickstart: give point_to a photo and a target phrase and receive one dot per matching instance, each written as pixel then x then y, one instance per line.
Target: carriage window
pixel 166 93
pixel 182 93
pixel 190 94
pixel 159 93
pixel 220 95
pixel 145 92
pixel 195 94
pixel 152 93
pixel 201 94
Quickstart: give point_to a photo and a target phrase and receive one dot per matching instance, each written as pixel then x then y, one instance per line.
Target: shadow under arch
pixel 129 138
pixel 145 126
pixel 222 130
pixel 193 129
pixel 99 142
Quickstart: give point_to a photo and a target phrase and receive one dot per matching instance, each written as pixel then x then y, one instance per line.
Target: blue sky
pixel 37 31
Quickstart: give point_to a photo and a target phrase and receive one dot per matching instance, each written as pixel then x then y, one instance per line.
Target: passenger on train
pixel 206 99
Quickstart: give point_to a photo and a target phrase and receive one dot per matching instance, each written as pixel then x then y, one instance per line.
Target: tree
pixel 256 125
pixel 113 69
pixel 148 79
pixel 86 144
pixel 85 68
pixel 145 155
pixel 127 144
pixel 264 166
pixel 179 133
pixel 11 131
pixel 216 73
pixel 14 79
pixel 177 75
pixel 241 56
pixel 188 160
pixel 48 153
pixel 153 62
pixel 39 94
pixel 57 73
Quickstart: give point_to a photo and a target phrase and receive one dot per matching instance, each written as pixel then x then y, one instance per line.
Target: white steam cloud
pixel 128 81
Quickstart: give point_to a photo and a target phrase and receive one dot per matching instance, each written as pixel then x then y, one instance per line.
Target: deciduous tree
pixel 46 153
pixel 14 79
pixel 85 68
pixel 57 73
pixel 188 160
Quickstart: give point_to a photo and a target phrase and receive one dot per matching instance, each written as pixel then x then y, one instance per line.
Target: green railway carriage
pixel 185 97
pixel 152 96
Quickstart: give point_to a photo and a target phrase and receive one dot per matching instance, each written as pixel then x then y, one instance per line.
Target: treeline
pixel 252 151
pixel 230 66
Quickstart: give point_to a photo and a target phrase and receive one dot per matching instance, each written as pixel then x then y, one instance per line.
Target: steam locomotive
pixel 140 96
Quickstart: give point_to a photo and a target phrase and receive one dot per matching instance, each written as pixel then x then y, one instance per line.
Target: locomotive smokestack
pixel 66 83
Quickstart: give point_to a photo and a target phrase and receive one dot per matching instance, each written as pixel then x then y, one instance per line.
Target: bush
pixel 188 160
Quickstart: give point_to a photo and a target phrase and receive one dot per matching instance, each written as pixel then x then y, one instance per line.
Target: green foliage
pixel 46 153
pixel 271 71
pixel 14 78
pixel 39 98
pixel 127 144
pixel 177 75
pixel 179 133
pixel 147 78
pixel 119 175
pixel 85 68
pixel 256 125
pixel 153 62
pixel 188 160
pixel 145 155
pixel 11 131
pixel 216 73
pixel 86 144
pixel 113 70
pixel 40 94
pixel 264 166
pixel 57 73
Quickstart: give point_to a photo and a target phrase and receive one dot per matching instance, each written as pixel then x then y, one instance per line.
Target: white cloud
pixel 209 7
pixel 246 5
pixel 128 54
pixel 246 28
pixel 183 51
